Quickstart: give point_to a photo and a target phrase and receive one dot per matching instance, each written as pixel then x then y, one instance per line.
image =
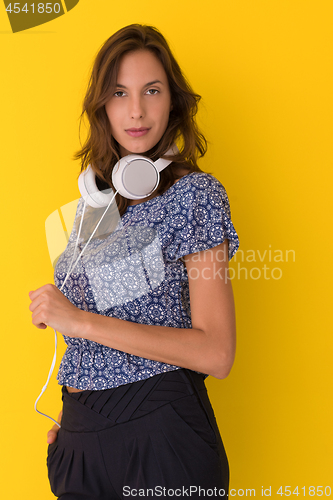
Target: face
pixel 139 109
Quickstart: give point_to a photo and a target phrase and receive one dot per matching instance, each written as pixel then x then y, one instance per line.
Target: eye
pixel 152 91
pixel 119 93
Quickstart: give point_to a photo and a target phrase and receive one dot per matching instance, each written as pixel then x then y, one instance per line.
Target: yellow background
pixel 264 69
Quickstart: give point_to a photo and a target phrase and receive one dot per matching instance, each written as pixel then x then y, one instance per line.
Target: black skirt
pixel 156 438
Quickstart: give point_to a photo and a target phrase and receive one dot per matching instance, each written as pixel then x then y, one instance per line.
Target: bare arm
pixel 208 347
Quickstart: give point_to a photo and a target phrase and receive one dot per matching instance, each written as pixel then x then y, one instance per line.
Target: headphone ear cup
pixel 90 192
pixel 135 177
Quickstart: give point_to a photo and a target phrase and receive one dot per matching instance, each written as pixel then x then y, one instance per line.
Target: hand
pixel 53 433
pixel 50 307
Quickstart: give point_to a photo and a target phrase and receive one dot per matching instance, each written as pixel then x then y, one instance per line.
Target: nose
pixel 137 110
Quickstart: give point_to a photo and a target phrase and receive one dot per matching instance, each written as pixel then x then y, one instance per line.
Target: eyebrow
pixel 146 85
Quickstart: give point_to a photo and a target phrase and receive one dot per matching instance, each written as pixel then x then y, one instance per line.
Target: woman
pixel 136 417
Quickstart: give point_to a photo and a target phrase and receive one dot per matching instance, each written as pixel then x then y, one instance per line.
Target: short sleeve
pixel 201 218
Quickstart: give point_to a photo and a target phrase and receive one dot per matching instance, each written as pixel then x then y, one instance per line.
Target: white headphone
pixel 134 177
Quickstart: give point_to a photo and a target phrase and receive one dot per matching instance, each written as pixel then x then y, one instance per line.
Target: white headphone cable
pixel 70 269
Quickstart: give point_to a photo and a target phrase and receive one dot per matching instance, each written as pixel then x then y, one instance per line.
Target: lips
pixel 137 132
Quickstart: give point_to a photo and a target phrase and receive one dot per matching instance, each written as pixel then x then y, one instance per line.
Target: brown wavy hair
pixel 101 150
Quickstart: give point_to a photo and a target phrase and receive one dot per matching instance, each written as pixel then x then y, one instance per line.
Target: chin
pixel 139 149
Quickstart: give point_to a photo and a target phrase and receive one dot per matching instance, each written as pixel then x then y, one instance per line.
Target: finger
pixel 38 319
pixel 51 437
pixel 37 301
pixel 41 326
pixel 53 433
pixel 35 293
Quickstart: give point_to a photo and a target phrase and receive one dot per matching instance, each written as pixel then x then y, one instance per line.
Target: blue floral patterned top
pixel 136 273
